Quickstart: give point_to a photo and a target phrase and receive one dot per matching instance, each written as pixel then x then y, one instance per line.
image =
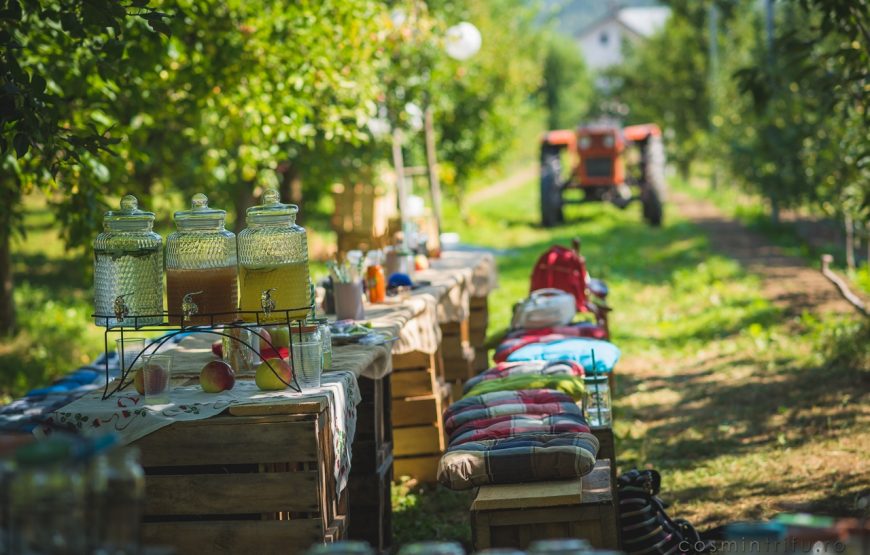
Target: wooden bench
pixel 514 515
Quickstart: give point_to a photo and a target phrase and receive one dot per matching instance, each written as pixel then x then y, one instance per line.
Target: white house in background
pixel 601 42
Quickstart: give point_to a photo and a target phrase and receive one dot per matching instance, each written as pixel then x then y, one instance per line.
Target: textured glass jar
pixel 201 261
pixel 325 341
pixel 597 400
pixel 273 262
pixel 128 268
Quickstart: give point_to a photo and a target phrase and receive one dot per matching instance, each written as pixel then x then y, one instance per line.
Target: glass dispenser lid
pixel 200 215
pixel 129 217
pixel 272 210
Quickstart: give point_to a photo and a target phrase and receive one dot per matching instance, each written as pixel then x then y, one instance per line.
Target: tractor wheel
pixel 654 187
pixel 551 186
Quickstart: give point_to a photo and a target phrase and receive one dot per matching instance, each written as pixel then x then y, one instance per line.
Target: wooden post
pixel 401 189
pixel 432 165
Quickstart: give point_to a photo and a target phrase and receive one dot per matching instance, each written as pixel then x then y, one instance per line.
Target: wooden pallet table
pixel 255 479
pixel 514 515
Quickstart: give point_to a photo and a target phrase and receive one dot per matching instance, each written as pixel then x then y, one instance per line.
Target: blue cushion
pixel 46 390
pixel 578 349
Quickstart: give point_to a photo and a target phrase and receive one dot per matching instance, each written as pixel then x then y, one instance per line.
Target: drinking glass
pixel 157 372
pixel 128 349
pixel 307 363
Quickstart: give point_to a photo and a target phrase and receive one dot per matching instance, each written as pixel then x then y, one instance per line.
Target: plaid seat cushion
pixel 521 458
pixel 507 403
pixel 518 424
pixel 504 369
pixel 578 349
pixel 568 384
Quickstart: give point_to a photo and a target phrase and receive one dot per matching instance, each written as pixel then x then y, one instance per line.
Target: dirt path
pixel 513 181
pixel 743 430
pixel 788 281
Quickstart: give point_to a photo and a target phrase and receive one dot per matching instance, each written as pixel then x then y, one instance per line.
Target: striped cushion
pixel 570 385
pixel 505 369
pixel 520 458
pixel 505 426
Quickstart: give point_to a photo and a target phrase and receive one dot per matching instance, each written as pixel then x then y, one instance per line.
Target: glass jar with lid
pixel 201 262
pixel 273 263
pixel 128 268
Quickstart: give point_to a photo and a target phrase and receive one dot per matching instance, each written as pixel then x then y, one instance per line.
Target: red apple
pixel 139 382
pixel 265 339
pixel 217 376
pixel 266 378
pixel 154 377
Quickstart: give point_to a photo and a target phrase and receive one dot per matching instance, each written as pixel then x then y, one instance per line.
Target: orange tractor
pixel 609 164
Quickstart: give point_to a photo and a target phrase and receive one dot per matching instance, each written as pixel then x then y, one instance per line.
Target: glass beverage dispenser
pixel 273 263
pixel 128 268
pixel 201 264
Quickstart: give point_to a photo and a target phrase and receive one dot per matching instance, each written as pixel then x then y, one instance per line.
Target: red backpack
pixel 562 268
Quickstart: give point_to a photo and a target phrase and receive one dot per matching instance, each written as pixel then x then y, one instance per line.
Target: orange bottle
pixel 375 280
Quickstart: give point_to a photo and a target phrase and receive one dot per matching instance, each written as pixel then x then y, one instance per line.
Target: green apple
pixel 280 336
pixel 267 376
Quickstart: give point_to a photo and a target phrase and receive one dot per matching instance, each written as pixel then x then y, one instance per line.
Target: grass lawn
pixel 746 412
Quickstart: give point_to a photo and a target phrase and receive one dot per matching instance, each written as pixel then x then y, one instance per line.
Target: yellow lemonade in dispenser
pixel 290 290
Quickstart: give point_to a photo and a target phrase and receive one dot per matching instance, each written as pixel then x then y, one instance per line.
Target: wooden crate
pixel 424 468
pixel 514 515
pixel 481 360
pixel 361 216
pixel 459 330
pixel 370 506
pixel 418 403
pixel 416 411
pixel 374 431
pixel 459 367
pixel 419 440
pixel 606 448
pixel 479 303
pixel 371 512
pixel 478 319
pixel 255 479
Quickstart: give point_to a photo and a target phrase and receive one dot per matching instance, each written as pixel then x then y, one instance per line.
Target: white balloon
pixel 462 41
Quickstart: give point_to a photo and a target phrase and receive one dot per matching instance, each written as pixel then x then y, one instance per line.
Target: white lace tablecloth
pixel 126 414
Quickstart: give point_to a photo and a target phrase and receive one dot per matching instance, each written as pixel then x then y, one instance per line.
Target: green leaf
pixel 37 83
pixel 21 144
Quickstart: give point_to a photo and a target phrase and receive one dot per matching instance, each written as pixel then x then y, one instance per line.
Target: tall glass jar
pixel 116 495
pixel 597 400
pixel 273 262
pixel 201 262
pixel 47 500
pixel 325 341
pixel 128 268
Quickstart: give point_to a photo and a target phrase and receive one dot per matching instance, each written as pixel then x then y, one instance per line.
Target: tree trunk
pixel 7 302
pixel 850 242
pixel 243 197
pixel 774 210
pixel 290 186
